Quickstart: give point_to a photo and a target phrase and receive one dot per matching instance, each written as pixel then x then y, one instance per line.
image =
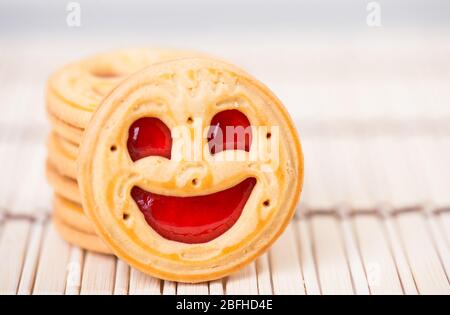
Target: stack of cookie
pixel 120 152
pixel 73 94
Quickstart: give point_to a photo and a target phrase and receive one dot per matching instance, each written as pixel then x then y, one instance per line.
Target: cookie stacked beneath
pixel 73 94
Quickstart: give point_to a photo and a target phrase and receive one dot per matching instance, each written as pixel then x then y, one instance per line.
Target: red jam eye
pixel 149 136
pixel 229 130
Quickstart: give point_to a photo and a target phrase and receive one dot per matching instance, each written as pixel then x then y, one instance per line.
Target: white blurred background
pixel 327 60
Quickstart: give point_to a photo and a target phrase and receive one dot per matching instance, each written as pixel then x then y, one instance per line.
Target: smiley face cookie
pixel 190 169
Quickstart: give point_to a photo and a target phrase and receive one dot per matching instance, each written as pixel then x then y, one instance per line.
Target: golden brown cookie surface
pixel 63 185
pixel 79 238
pixel 122 187
pixel 75 91
pixel 71 214
pixel 62 155
pixel 64 130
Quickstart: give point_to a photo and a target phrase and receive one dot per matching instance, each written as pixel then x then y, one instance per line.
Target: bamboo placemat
pixel 374 219
pixel 321 253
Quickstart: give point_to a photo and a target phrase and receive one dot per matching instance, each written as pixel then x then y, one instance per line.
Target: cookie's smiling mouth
pixel 197 219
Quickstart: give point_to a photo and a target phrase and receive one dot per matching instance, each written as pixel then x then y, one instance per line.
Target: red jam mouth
pixel 197 219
